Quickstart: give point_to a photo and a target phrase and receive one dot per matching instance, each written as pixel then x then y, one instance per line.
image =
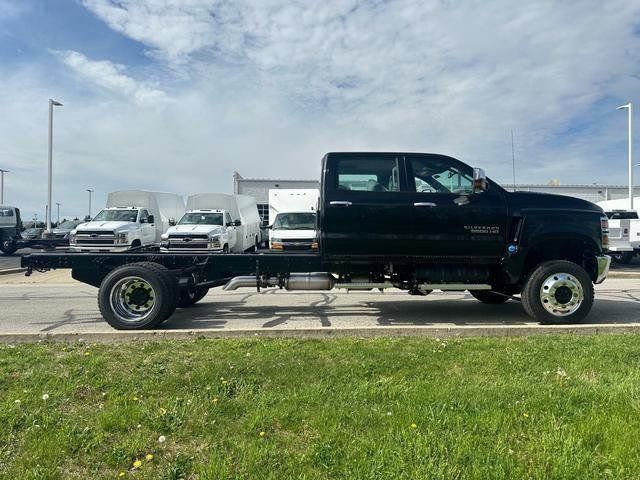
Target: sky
pixel 177 95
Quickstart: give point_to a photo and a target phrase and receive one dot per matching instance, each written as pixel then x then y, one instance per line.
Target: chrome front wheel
pixel 561 294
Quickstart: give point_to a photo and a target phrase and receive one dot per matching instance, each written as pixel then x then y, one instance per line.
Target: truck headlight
pixel 214 242
pixel 164 236
pixel 121 238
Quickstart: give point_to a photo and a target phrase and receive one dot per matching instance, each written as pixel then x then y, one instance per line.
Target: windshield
pixel 295 221
pixel 69 225
pixel 201 219
pixel 116 216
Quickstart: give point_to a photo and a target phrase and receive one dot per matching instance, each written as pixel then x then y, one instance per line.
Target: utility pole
pixel 2 172
pixel 52 103
pixel 513 161
pixel 90 190
pixel 58 221
pixel 629 107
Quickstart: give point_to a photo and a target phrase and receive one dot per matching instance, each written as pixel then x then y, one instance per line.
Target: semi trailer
pixel 413 221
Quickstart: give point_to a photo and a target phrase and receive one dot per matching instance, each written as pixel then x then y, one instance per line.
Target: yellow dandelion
pixel 137 464
pixel 163 411
pixel 262 434
pixel 149 457
pixel 224 382
pixel 413 425
pixel 121 474
pixel 215 400
pixel 86 354
pixel 135 399
pixel 525 415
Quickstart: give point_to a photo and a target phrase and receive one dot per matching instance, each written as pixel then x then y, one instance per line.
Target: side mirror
pixel 87 218
pixel 172 222
pixel 237 223
pixel 268 227
pixel 150 219
pixel 479 180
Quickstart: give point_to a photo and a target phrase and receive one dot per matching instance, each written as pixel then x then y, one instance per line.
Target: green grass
pixel 538 407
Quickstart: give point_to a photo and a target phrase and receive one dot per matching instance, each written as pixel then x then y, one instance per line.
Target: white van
pixel 293 212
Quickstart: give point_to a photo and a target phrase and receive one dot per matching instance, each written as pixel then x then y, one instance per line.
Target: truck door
pixel 365 205
pixel 448 218
pixel 148 230
pixel 233 233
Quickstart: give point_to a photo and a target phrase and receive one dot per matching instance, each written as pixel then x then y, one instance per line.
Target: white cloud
pixel 111 76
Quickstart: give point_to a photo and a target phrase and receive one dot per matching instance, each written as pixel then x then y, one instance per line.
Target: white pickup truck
pixel 216 222
pixel 131 219
pixel 624 229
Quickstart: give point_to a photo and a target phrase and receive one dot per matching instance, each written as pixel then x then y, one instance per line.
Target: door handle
pixel 424 204
pixel 340 203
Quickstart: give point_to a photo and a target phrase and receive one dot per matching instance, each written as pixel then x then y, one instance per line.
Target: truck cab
pixel 203 229
pixel 115 229
pixel 10 228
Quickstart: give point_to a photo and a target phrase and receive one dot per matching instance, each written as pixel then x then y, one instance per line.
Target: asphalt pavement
pixel 53 303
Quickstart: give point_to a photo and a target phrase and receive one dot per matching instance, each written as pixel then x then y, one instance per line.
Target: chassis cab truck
pixel 412 221
pixel 10 228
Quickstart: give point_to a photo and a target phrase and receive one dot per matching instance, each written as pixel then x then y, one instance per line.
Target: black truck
pixel 413 221
pixel 11 228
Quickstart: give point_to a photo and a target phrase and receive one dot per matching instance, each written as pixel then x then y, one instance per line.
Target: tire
pixel 623 258
pixel 191 296
pixel 153 291
pixel 225 249
pixel 552 287
pixel 8 246
pixel 488 297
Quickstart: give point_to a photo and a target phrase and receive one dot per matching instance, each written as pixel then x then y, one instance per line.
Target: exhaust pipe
pixel 295 281
pixel 242 281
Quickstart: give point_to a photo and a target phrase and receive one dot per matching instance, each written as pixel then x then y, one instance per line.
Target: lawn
pixel 537 407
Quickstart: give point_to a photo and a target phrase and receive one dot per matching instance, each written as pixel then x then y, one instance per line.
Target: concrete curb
pixel 8 271
pixel 322 333
pixel 627 275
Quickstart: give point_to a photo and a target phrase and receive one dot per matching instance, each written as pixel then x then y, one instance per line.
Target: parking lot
pixel 54 303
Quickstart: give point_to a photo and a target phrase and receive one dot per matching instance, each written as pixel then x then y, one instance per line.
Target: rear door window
pixel 368 174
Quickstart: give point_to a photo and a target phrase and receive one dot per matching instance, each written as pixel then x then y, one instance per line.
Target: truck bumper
pixel 604 262
pixel 100 248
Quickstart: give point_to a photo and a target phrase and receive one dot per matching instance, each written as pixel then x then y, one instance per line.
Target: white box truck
pixel 131 219
pixel 293 213
pixel 216 222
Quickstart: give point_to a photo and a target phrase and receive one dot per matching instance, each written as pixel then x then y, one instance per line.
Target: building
pixel 258 188
pixel 593 193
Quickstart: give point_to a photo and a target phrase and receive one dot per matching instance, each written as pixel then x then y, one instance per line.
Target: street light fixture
pixel 90 190
pixel 2 172
pixel 629 107
pixel 52 103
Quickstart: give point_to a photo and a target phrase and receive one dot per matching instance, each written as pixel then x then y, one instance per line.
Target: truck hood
pixel 534 200
pixel 197 229
pixel 107 226
pixel 287 234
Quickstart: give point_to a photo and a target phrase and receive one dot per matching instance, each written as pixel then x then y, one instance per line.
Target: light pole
pixel 52 103
pixel 2 172
pixel 629 107
pixel 58 220
pixel 90 190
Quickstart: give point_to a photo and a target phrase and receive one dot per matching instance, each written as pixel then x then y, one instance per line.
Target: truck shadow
pixel 326 312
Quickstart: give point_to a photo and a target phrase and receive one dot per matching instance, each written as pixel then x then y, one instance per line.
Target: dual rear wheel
pixel 142 296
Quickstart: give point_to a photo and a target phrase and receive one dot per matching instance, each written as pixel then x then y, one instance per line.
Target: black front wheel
pixel 558 292
pixel 8 247
pixel 137 296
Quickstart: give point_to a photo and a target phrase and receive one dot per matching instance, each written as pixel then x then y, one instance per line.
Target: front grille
pixel 182 237
pixel 95 238
pixel 297 240
pixel 187 245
